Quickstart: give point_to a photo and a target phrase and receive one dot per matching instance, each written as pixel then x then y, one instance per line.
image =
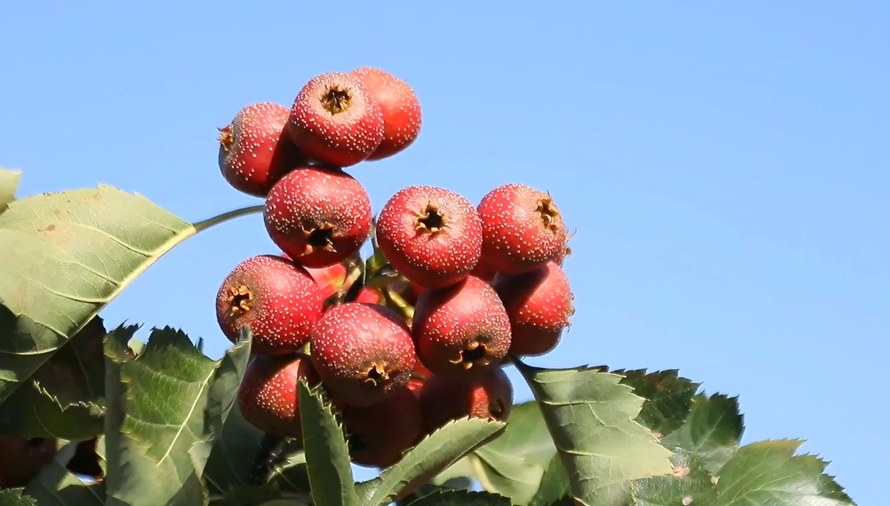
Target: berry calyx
pixel 318 216
pixel 522 229
pixel 539 304
pixel 461 330
pixel 430 235
pixel 363 353
pixel 275 297
pixel 335 121
pixel 399 106
pixel 255 150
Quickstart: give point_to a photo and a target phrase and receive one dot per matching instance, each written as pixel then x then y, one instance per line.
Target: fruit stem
pixel 224 217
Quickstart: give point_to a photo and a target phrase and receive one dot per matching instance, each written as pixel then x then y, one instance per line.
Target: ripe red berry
pixel 522 229
pixel 378 434
pixel 334 120
pixel 398 104
pixel 255 150
pixel 268 397
pixel 431 235
pixel 318 216
pixel 461 330
pixel 362 352
pixel 442 399
pixel 539 304
pixel 23 458
pixel 276 298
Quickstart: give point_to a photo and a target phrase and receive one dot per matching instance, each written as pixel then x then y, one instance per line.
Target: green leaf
pixel 554 484
pixel 591 417
pixel 9 183
pixel 57 486
pixel 432 455
pixel 165 411
pixel 461 498
pixel 65 256
pixel 688 481
pixel 512 465
pixel 65 396
pixel 232 455
pixel 712 431
pixel 15 497
pixel 668 397
pixel 768 473
pixel 327 456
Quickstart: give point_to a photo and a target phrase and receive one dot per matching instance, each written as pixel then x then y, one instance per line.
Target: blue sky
pixel 724 164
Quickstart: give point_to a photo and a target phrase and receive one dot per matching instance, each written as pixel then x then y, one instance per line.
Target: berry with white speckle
pixel 461 330
pixel 431 235
pixel 539 304
pixel 522 229
pixel 318 216
pixel 255 150
pixel 276 298
pixel 335 121
pixel 442 399
pixel 400 106
pixel 267 397
pixel 362 352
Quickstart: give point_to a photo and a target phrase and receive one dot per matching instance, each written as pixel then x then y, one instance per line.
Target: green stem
pixel 224 217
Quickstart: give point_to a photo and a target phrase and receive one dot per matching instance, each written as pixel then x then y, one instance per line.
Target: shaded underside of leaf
pixel 165 411
pixel 668 397
pixel 712 430
pixel 65 255
pixel 429 457
pixel 327 455
pixel 591 417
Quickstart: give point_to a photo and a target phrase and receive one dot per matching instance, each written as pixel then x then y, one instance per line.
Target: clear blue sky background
pixel 725 166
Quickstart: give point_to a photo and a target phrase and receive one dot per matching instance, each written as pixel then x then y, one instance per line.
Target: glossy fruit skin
pixel 489 396
pixel 255 150
pixel 431 235
pixel 335 121
pixel 539 304
pixel 522 229
pixel 318 216
pixel 277 298
pixel 461 330
pixel 362 352
pixel 268 397
pixel 380 433
pixel 329 279
pixel 402 117
pixel 21 459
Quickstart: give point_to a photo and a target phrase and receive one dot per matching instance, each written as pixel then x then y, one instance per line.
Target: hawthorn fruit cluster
pixel 418 334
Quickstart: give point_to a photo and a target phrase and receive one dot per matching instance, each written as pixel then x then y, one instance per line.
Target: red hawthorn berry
pixel 267 396
pixel 334 120
pixel 522 229
pixel 275 297
pixel 461 330
pixel 378 434
pixel 442 399
pixel 400 108
pixel 431 235
pixel 363 353
pixel 255 150
pixel 23 458
pixel 539 304
pixel 318 216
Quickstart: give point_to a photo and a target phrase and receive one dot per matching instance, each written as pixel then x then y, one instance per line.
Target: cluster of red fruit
pixel 414 339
